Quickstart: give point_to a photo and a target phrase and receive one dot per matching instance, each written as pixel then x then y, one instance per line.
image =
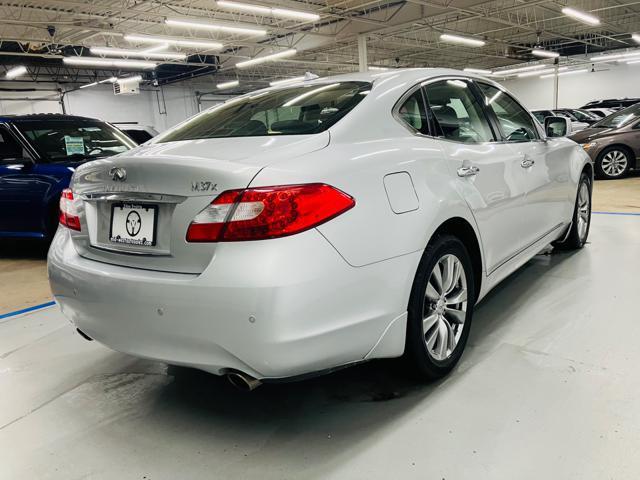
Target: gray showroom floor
pixel 548 388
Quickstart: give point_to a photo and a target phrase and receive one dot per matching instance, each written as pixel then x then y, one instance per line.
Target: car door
pixel 488 172
pixel 544 165
pixel 14 192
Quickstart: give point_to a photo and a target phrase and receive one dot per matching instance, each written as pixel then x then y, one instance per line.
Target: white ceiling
pixel 401 33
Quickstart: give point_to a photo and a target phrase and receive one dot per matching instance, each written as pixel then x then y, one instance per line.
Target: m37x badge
pixel 203 186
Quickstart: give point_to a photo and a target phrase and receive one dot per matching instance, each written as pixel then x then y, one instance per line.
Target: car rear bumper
pixel 271 309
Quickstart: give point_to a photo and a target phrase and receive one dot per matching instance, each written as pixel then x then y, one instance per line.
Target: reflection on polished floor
pixel 547 388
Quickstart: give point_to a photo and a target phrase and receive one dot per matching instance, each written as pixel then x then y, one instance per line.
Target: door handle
pixel 527 163
pixel 468 171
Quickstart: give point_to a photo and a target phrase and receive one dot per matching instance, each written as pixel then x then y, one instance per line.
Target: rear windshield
pixel 63 140
pixel 297 110
pixel 620 118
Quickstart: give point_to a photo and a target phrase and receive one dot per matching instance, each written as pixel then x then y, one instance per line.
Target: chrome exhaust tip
pixel 243 382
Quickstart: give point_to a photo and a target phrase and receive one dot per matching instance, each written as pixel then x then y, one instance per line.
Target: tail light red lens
pixel 68 210
pixel 267 212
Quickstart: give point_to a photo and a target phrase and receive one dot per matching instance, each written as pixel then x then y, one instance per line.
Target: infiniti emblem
pixel 118 174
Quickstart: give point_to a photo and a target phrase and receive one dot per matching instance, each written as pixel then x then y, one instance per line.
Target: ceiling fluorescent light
pixel 135 53
pixel 512 71
pixel 478 70
pixel 270 11
pixel 110 80
pixel 375 69
pixel 615 56
pixel 158 48
pixel 174 41
pixel 225 85
pixel 581 16
pixel 539 52
pixel 472 42
pixel 536 72
pixel 635 37
pixel 16 72
pixel 571 72
pixel 216 27
pixel 267 58
pixel 275 83
pixel 559 69
pixel 107 63
pixel 137 78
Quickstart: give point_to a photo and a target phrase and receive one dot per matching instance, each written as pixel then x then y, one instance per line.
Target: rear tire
pixel 613 163
pixel 440 308
pixel 581 221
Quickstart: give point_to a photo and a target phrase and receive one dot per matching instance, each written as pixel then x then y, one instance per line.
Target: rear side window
pixel 515 122
pixel 10 149
pixel 413 113
pixel 297 110
pixel 457 113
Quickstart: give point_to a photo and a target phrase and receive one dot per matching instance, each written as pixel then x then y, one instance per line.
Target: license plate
pixel 134 224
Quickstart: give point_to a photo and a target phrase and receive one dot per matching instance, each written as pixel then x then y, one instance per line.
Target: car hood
pixel 590 134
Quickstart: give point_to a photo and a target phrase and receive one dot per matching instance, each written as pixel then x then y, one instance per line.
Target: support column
pixel 362 53
pixel 556 83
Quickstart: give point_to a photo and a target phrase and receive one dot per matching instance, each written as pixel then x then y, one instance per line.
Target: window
pixel 296 110
pixel 515 122
pixel 10 149
pixel 620 118
pixel 59 140
pixel 139 136
pixel 456 112
pixel 413 113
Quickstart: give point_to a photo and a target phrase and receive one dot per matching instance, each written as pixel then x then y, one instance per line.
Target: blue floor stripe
pixel 26 310
pixel 618 213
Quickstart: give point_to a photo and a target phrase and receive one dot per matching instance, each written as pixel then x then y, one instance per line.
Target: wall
pixel 614 81
pixel 158 107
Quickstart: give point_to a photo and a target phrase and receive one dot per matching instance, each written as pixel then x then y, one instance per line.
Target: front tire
pixel 581 222
pixel 613 163
pixel 440 307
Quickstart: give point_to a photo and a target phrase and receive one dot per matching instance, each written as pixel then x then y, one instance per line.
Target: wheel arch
pixel 620 146
pixel 462 229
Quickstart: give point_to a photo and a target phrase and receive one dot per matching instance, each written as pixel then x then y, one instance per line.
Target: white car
pixel 303 228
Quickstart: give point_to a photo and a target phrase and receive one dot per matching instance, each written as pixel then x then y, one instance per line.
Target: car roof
pixel 391 79
pixel 45 117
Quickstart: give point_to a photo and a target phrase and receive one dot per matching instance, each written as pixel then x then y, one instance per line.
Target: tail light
pixel 68 210
pixel 267 212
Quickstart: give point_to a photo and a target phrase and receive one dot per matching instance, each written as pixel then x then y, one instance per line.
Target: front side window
pixel 413 113
pixel 456 112
pixel 297 110
pixel 63 140
pixel 515 122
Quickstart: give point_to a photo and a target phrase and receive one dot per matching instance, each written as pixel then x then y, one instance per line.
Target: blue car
pixel 38 155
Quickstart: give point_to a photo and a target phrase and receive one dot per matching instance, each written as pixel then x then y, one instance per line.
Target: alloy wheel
pixel 614 163
pixel 583 211
pixel 445 307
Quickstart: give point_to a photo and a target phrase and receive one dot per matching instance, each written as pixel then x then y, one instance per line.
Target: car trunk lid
pixel 167 185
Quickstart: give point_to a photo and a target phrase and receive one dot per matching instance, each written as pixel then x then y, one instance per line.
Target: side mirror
pixel 557 126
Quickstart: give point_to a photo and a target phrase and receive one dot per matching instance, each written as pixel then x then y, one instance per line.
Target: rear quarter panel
pixel 371 231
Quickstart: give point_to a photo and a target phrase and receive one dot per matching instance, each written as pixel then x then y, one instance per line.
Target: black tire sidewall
pixel 601 173
pixel 416 348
